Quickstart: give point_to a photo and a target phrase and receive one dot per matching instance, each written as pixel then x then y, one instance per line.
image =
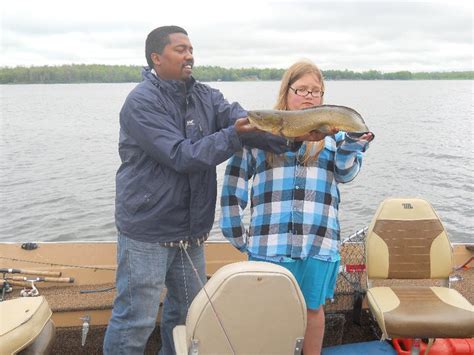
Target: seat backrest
pixel 406 240
pixel 259 305
pixel 22 322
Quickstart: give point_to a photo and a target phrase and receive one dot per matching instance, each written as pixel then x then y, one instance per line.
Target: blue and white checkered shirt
pixel 294 208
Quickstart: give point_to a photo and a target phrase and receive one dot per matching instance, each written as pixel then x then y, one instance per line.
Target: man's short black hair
pixel 158 39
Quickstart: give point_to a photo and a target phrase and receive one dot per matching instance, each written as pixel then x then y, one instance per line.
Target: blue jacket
pixel 172 137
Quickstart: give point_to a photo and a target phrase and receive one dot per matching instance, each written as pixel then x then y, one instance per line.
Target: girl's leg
pixel 313 338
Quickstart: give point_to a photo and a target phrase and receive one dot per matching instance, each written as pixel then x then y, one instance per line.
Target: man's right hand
pixel 243 125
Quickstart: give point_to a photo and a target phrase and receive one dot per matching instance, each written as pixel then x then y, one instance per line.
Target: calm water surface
pixel 58 153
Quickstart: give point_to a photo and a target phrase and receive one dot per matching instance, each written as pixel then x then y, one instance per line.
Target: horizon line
pixel 230 68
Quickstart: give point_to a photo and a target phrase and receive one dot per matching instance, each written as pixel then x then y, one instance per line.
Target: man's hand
pixel 315 136
pixel 243 125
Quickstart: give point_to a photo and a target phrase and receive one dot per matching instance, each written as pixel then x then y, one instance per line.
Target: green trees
pixel 76 73
pixel 213 73
pixel 99 73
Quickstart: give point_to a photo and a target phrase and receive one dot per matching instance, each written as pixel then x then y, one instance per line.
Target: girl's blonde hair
pixel 294 73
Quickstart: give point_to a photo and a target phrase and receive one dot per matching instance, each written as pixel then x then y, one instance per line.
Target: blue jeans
pixel 143 269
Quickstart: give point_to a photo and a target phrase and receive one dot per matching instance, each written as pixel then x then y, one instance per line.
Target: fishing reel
pixel 28 283
pixel 6 288
pixel 31 291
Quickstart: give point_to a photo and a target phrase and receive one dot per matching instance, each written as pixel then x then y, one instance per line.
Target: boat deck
pixel 69 304
pixel 340 328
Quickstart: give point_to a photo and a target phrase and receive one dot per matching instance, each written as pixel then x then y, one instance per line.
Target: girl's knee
pixel 315 312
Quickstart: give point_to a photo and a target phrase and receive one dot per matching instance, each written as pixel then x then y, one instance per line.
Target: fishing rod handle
pixel 31 272
pixel 14 283
pixel 59 279
pixel 46 279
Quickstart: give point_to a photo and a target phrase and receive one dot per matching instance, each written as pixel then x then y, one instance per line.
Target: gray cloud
pixel 356 35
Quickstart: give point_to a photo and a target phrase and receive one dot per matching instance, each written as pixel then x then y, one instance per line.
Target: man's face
pixel 176 61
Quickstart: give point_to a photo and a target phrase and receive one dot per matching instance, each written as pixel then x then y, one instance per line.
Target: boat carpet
pixel 466 285
pixel 68 341
pixel 339 330
pixel 69 298
pixel 60 298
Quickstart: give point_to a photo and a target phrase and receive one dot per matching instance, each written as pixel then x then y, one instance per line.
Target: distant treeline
pixel 96 73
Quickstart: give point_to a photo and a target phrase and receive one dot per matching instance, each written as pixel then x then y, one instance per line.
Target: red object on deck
pixel 355 267
pixel 440 346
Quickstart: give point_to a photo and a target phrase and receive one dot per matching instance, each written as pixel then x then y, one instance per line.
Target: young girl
pixel 294 200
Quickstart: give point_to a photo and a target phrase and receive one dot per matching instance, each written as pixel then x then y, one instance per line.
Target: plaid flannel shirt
pixel 294 208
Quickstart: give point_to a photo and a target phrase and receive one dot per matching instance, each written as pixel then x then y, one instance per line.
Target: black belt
pixel 186 242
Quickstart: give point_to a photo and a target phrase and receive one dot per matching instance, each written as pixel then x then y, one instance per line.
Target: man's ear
pixel 155 57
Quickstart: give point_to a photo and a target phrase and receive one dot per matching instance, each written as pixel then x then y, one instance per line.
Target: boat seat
pixel 260 307
pixel 407 241
pixel 25 323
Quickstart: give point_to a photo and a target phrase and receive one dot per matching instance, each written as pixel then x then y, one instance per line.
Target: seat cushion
pixel 179 339
pixel 421 312
pixel 22 320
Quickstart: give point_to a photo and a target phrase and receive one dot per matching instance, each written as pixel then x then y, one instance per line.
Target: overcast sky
pixel 355 35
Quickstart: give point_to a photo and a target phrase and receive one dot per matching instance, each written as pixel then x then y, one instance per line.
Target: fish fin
pixel 327 129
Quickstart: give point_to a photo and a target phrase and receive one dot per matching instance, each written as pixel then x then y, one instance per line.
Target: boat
pixel 76 279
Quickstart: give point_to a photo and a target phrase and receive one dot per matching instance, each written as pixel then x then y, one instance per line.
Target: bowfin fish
pixel 296 123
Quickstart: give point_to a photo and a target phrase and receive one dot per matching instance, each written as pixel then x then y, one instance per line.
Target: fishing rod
pixel 38 279
pixel 28 284
pixel 465 264
pixel 30 272
pixel 8 283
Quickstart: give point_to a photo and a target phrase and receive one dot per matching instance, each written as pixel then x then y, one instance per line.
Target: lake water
pixel 58 153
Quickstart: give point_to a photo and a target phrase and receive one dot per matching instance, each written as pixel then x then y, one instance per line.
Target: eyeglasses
pixel 305 92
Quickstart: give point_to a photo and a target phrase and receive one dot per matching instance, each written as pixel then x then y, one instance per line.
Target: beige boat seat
pixel 255 308
pixel 406 240
pixel 25 323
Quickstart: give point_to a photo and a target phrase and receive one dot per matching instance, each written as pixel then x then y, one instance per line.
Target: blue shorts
pixel 316 278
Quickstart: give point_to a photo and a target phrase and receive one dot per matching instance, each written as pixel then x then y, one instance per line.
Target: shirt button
pixel 297 187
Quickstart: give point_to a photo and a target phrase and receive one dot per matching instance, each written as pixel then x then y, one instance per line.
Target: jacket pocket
pixel 146 190
pixel 145 201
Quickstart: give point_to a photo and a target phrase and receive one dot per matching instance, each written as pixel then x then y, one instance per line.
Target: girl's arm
pixel 234 198
pixel 348 159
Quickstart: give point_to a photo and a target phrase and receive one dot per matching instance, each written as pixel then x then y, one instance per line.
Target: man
pixel 174 131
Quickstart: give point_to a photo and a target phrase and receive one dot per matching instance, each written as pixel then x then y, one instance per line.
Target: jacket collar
pixel 176 86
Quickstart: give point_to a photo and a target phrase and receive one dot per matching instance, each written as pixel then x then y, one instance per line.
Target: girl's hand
pixel 367 137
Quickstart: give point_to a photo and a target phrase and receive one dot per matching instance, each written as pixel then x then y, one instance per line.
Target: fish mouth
pixel 254 115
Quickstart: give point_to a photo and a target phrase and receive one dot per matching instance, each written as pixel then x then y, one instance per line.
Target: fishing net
pixel 351 288
pixel 351 283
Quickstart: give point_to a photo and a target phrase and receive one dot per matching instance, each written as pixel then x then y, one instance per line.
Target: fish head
pixel 266 120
